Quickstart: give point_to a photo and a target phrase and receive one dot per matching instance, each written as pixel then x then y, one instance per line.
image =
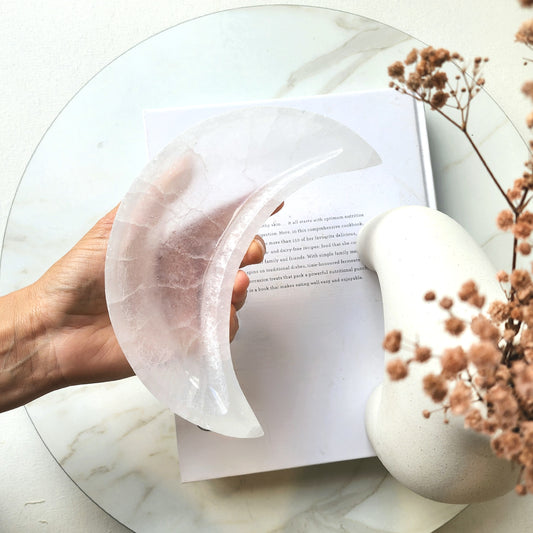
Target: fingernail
pixel 259 240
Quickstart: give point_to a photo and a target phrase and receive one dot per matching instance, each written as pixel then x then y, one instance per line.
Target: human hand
pixel 64 334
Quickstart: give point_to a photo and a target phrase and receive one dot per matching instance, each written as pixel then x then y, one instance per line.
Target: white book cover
pixel 308 352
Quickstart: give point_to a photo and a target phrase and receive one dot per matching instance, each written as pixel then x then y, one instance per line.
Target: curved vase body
pixel 413 250
pixel 179 237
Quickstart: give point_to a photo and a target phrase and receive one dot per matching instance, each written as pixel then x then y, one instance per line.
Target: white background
pixel 50 48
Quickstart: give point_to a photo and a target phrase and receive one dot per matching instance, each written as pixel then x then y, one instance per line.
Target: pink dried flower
pixel 392 341
pixel 526 338
pixel 504 406
pixel 430 296
pixel 524 248
pixel 502 276
pixel 489 427
pixel 499 312
pixel 485 379
pixel 485 329
pixel 422 354
pixel 507 445
pixel 520 490
pixel 527 175
pixel 502 375
pixel 412 56
pixel 477 300
pixel 526 455
pixel 414 81
pixel 474 420
pixel 397 369
pixel 528 478
pixel 423 68
pixel 396 70
pixel 521 230
pixel 485 355
pixel 527 314
pixel 436 387
pixel 527 88
pixel 520 279
pixel 440 79
pixel 520 184
pixel 505 219
pixel 526 216
pixel 468 289
pixel 514 193
pixel 453 361
pixel 437 57
pixel 523 382
pixel 526 429
pixel 529 120
pixel 525 32
pixel 516 312
pixel 454 326
pixel 446 303
pixel 439 99
pixel 460 398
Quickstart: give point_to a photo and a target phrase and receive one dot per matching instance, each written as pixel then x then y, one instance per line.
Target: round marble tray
pixel 114 440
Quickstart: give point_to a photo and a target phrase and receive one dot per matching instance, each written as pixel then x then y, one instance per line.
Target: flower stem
pixel 491 174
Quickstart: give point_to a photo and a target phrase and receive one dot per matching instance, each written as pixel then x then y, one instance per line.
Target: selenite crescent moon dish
pixel 179 237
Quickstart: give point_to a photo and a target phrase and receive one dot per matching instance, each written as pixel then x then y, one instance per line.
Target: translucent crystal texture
pixel 179 237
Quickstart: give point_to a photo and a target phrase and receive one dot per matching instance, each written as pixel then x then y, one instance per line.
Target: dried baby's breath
pixel 490 383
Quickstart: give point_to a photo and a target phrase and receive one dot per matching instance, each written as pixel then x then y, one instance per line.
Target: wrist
pixel 27 368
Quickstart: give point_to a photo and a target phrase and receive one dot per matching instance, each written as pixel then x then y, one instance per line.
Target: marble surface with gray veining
pixel 114 440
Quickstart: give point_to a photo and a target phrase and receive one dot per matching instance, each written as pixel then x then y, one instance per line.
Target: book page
pixel 308 352
pixel 309 252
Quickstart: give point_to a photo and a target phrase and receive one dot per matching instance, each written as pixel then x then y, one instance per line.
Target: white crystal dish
pixel 180 234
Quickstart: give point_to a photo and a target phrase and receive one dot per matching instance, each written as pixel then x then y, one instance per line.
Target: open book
pixel 308 352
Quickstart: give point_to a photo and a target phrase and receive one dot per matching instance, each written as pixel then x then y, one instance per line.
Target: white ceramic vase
pixel 413 250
